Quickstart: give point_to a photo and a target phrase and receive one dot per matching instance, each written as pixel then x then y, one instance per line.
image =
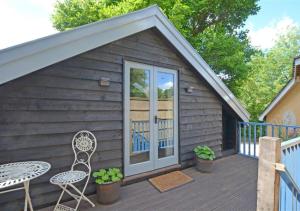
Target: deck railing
pixel 141 135
pixel 250 132
pixel 290 175
pixel 279 174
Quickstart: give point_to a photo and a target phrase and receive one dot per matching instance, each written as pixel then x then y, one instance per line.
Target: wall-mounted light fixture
pixel 104 81
pixel 189 89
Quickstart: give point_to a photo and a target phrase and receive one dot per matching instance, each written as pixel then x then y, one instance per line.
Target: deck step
pixel 146 175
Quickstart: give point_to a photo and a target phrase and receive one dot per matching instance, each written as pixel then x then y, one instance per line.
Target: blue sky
pixel 24 20
pixel 274 18
pixel 274 10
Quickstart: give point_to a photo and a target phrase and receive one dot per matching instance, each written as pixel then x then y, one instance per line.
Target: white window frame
pixel 154 162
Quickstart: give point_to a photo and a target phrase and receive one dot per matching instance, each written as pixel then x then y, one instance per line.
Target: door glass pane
pixel 165 103
pixel 139 115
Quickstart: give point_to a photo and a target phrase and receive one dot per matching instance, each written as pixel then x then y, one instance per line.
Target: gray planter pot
pixel 204 165
pixel 108 193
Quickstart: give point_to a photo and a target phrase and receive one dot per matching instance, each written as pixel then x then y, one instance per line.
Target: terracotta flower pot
pixel 204 165
pixel 108 193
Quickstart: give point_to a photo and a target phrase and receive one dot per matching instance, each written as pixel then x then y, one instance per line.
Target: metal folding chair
pixel 84 144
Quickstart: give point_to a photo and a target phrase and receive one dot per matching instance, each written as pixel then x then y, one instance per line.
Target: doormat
pixel 170 181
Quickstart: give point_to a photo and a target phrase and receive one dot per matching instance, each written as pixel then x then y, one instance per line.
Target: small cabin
pixel 134 81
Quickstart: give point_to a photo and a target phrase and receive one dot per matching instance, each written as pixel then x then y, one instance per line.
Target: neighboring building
pixel 133 80
pixel 285 108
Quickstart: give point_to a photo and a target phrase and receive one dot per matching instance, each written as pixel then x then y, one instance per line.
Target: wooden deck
pixel 232 186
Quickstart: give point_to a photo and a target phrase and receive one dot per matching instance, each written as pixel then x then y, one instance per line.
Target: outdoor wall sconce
pixel 104 81
pixel 189 89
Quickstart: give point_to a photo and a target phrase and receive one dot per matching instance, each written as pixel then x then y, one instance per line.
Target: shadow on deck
pixel 232 186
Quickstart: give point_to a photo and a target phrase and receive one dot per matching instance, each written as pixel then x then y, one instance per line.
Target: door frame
pixel 154 162
pixel 170 160
pixel 131 169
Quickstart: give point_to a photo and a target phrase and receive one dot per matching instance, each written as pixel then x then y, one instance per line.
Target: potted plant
pixel 204 157
pixel 108 185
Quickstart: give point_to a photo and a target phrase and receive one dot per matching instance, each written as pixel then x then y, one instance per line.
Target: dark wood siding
pixel 40 112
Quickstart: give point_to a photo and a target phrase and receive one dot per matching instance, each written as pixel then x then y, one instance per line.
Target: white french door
pixel 150 118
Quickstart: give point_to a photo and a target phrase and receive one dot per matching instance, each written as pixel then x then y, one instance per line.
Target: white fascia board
pixel 277 99
pixel 31 56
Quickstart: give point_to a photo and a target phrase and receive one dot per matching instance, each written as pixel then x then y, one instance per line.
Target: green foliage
pixel 165 94
pixel 139 81
pixel 212 26
pixel 226 53
pixel 269 73
pixel 193 15
pixel 204 152
pixel 107 175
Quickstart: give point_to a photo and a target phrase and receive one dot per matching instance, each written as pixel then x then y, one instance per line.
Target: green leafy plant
pixel 213 27
pixel 204 152
pixel 104 176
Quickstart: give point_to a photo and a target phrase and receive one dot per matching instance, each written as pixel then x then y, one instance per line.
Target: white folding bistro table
pixel 12 174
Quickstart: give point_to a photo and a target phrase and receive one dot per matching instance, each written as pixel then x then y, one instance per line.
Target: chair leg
pixel 83 196
pixel 74 196
pixel 61 195
pixel 89 201
pixel 78 197
pixel 81 193
pixel 25 202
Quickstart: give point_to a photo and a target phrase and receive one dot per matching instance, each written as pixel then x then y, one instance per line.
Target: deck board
pixel 232 186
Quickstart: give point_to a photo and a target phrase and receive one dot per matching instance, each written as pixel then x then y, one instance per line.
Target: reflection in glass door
pixel 165 108
pixel 165 113
pixel 150 120
pixel 139 115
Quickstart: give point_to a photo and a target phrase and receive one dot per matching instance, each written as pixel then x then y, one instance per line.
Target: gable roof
pixel 279 96
pixel 26 58
pixel 283 91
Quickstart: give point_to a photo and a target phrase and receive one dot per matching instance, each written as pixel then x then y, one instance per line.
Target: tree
pixel 269 73
pixel 139 83
pixel 227 54
pixel 197 15
pixel 212 26
pixel 165 94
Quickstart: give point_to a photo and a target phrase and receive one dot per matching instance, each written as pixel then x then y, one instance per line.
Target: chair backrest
pixel 84 145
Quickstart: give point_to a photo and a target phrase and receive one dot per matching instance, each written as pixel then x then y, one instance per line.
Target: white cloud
pixel 266 37
pixel 22 21
pixel 46 5
pixel 166 85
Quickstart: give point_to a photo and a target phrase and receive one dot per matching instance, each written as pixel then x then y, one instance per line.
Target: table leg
pixel 27 197
pixel 25 203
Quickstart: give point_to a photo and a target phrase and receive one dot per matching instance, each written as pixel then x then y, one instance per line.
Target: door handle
pixel 155 119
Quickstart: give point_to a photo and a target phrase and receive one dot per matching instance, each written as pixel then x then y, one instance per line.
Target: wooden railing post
pixel 268 177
